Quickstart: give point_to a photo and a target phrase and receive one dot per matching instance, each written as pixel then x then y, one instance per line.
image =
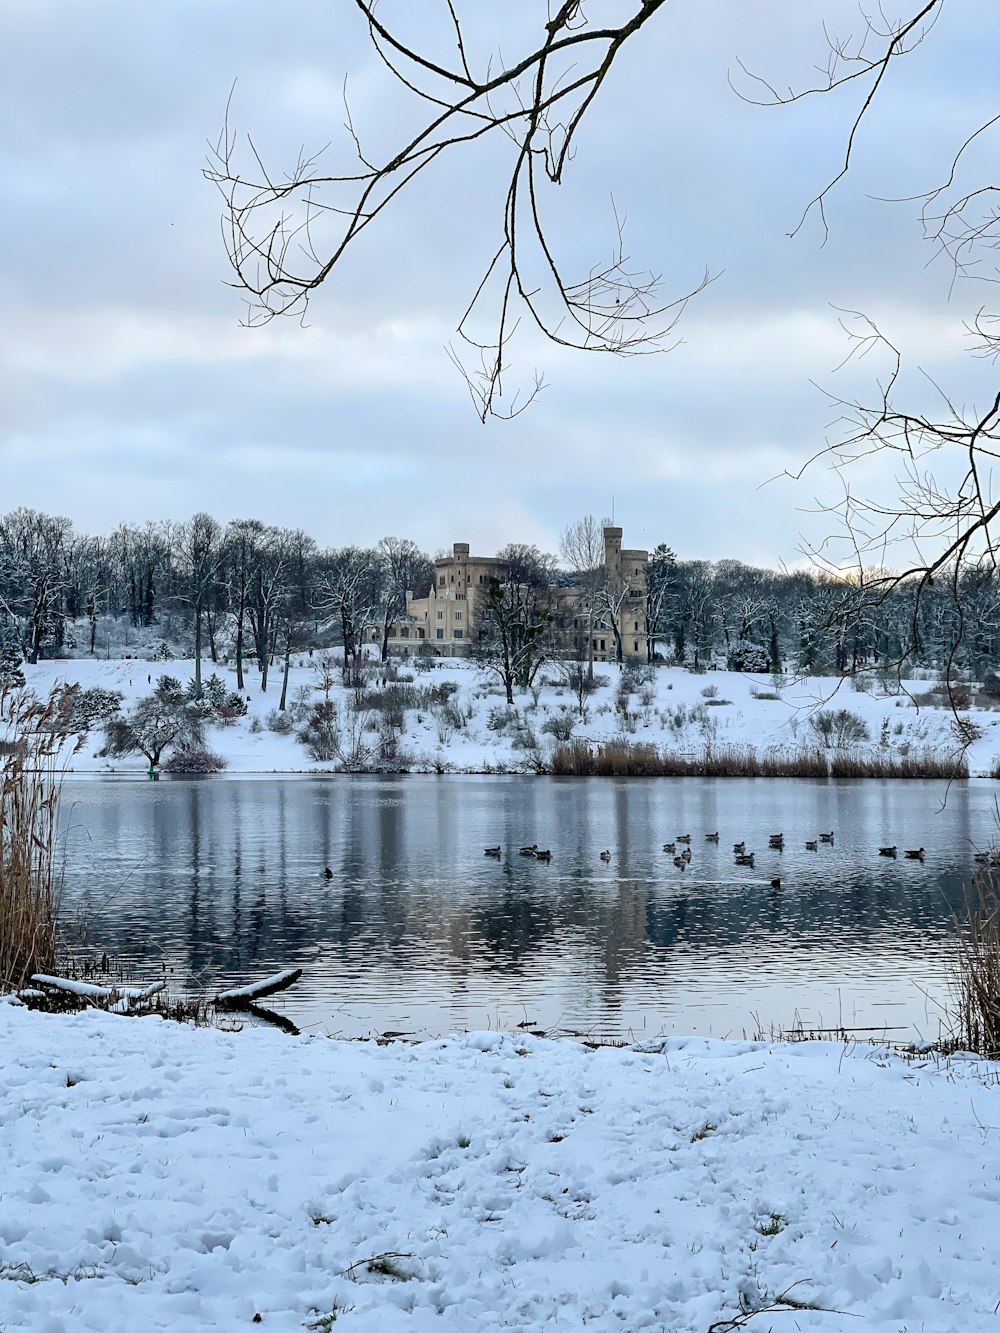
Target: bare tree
pixel 405 569
pixel 581 548
pixel 286 231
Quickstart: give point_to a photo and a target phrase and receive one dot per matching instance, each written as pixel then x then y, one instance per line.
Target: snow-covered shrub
pixel 162 653
pixel 319 733
pixel 561 724
pixel 862 683
pixel 194 760
pixel 279 722
pixel 94 707
pixel 710 692
pixel 747 656
pixel 839 727
pixel 442 691
pixel 157 721
pixel 500 718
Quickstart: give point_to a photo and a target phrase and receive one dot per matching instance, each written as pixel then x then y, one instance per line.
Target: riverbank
pixel 159 1176
pixel 452 717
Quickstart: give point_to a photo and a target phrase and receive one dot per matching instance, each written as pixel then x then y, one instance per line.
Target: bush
pixel 279 722
pixel 193 761
pixel 710 692
pixel 94 707
pixel 839 728
pixel 319 733
pixel 560 725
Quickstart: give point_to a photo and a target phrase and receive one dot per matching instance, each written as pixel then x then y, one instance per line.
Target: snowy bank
pixel 473 730
pixel 159 1177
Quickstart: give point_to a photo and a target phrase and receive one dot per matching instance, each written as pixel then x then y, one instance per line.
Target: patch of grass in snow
pixel 776 1223
pixel 709 1127
pixel 324 1322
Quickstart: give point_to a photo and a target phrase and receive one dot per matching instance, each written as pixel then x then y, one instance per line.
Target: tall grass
pixel 978 983
pixel 626 759
pixel 33 736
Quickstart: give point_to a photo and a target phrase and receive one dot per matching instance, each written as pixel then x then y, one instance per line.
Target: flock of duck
pixel 682 858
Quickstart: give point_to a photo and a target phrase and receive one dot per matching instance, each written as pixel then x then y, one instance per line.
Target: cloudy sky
pixel 129 389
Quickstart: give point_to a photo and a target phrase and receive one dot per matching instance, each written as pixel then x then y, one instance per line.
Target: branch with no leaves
pixel 286 233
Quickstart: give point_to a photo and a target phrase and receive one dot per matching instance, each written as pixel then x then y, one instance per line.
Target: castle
pixel 448 617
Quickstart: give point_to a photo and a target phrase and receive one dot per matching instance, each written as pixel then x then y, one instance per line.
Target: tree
pixel 405 569
pixel 348 585
pixel 34 578
pixel 514 615
pixel 661 576
pixel 158 720
pixel 581 548
pixel 199 543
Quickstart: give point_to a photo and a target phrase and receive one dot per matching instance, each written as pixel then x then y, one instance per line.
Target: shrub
pixel 280 723
pixel 560 725
pixel 710 692
pixel 194 761
pixel 442 691
pixel 94 707
pixel 839 728
pixel 319 732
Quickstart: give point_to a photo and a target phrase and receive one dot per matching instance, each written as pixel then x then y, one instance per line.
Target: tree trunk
pixel 284 678
pixel 197 652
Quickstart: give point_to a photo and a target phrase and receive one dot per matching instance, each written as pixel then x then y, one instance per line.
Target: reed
pixel 914 764
pixel 626 759
pixel 33 738
pixel 977 1016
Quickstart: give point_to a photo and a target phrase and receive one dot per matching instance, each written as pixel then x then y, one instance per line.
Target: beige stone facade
pixel 447 619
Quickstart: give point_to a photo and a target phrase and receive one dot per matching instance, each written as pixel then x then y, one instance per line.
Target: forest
pixel 247 591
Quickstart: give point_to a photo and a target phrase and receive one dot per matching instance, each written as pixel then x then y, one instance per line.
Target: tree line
pixel 253 594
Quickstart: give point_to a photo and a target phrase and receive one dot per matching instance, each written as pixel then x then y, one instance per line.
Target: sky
pixel 130 390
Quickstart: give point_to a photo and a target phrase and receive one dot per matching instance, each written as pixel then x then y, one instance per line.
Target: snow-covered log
pixel 88 991
pixel 241 996
pixel 85 989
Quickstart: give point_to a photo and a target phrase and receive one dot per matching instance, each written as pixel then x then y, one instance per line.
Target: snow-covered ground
pixel 474 732
pixel 161 1177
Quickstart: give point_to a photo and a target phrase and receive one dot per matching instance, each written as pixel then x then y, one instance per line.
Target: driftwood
pixel 242 997
pixel 122 997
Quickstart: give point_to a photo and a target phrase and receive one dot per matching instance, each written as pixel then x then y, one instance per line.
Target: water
pixel 221 881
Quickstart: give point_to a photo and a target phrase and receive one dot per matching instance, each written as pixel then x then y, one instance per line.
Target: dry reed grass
pixel 886 764
pixel 978 983
pixel 33 741
pixel 625 759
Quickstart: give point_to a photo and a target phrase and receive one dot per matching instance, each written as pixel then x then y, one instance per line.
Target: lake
pixel 221 881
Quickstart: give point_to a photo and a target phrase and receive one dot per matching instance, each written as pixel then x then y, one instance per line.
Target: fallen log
pixel 241 997
pixel 86 990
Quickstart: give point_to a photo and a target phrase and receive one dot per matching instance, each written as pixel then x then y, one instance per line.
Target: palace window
pixel 440 633
pixel 458 634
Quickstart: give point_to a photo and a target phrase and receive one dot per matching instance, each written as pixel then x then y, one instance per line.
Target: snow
pixel 162 1177
pixel 678 715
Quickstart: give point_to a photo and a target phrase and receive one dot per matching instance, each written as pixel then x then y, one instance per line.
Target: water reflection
pixel 416 930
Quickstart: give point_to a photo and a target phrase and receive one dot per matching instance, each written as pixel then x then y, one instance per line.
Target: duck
pixel 775 883
pixel 887 851
pixel 811 845
pixel 686 855
pixel 745 858
pixel 914 853
pixel 605 856
pixel 826 837
pixel 711 837
pixel 776 842
pixel 543 856
pixel 528 851
pixel 328 873
pixel 680 862
pixel 739 848
pixel 491 851
pixel 683 837
pixel 670 847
